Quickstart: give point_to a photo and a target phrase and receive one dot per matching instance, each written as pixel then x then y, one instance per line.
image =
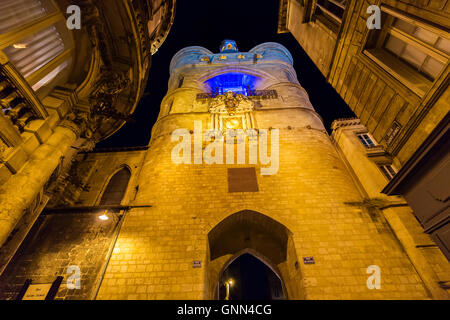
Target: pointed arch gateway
pixel 249 239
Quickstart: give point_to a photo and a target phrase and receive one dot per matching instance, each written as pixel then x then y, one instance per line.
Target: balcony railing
pixel 253 94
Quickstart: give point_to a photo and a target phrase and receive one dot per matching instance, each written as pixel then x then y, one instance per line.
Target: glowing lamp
pixel 104 217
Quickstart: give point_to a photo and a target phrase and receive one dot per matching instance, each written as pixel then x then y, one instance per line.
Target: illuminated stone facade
pixel 149 227
pixel 63 90
pixel 402 103
pixel 184 224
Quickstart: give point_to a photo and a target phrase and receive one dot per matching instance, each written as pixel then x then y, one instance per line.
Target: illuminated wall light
pixel 103 217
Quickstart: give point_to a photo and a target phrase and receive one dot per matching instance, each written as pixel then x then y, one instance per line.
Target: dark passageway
pixel 251 280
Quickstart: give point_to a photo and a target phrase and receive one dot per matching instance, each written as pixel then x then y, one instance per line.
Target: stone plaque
pixel 37 291
pixel 242 180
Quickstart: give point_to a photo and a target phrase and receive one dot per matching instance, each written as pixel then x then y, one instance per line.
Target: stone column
pixel 20 190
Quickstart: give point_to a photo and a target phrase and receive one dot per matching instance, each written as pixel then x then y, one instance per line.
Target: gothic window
pixel 34 37
pixel 366 140
pixel 116 188
pixel 411 50
pixel 388 171
pixel 331 13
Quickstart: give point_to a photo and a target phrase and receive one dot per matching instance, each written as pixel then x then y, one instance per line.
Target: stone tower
pixel 294 206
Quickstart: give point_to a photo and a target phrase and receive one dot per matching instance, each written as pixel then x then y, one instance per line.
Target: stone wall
pixel 56 242
pixel 428 260
pixel 313 196
pixel 375 93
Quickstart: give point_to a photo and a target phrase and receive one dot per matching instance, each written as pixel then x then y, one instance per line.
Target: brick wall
pixel 56 242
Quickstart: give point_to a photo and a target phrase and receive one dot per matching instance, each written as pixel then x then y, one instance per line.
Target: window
pixel 240 83
pixel 366 140
pixel 392 132
pixel 388 171
pixel 15 13
pixel 50 76
pixel 42 52
pixel 34 52
pixel 117 186
pixel 422 50
pixel 331 13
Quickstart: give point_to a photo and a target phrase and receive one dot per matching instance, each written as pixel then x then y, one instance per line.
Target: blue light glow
pixel 239 83
pixel 228 46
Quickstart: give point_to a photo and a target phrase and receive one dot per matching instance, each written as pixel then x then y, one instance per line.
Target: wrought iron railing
pixel 252 94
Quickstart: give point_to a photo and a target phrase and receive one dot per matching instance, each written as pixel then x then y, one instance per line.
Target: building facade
pixel 239 163
pixel 64 86
pixel 393 72
pixel 372 169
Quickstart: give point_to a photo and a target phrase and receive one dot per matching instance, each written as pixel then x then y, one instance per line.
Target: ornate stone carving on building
pixel 13 104
pixel 81 123
pixel 96 29
pixel 168 16
pixel 67 185
pixel 253 95
pixel 3 148
pixel 106 91
pixel 231 111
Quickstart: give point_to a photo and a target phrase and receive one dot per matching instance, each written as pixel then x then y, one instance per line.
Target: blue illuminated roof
pixel 240 83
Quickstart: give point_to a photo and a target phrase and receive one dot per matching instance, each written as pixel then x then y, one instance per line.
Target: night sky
pixel 206 23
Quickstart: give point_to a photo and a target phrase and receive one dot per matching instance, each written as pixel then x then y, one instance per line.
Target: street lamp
pixel 228 284
pixel 104 216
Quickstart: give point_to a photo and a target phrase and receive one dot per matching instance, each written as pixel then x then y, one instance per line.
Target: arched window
pixel 116 188
pixel 236 82
pixel 34 37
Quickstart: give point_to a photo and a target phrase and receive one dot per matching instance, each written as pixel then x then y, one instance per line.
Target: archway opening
pixel 248 278
pixel 236 242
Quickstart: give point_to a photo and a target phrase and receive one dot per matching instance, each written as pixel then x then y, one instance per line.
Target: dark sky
pixel 206 23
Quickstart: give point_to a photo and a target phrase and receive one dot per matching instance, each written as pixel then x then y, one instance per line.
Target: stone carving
pixel 13 103
pixel 253 95
pixel 231 104
pixel 3 147
pixel 81 123
pixel 96 29
pixel 231 111
pixel 106 92
pixel 67 186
